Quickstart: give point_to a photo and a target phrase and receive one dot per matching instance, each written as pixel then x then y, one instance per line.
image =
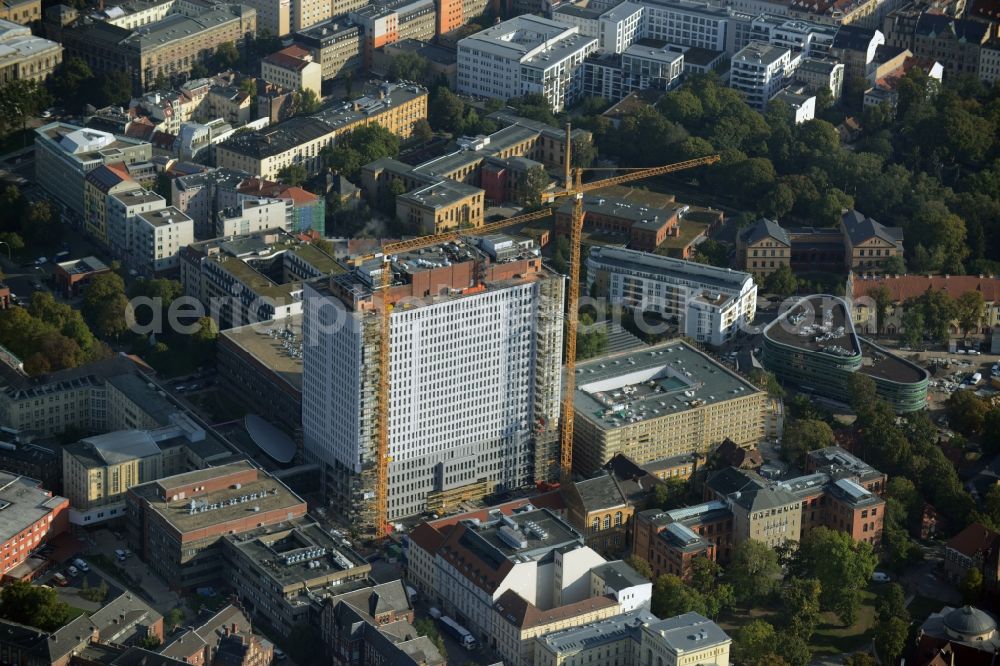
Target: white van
pixel 81 565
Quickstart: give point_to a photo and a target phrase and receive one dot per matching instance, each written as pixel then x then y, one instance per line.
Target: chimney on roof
pixel 235 628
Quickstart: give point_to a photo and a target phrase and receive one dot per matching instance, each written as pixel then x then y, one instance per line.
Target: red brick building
pixel 33 516
pixel 670 540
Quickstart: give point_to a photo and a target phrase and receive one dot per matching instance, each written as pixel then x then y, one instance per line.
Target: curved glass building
pixel 813 345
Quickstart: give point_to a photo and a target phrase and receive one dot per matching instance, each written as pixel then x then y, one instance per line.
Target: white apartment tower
pixel 475 379
pixel 758 71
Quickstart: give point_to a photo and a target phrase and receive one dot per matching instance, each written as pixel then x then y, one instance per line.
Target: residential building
pixel 293 67
pixel 758 71
pixel 904 287
pixel 201 196
pixel 251 216
pixel 168 47
pixel 813 344
pixel 307 211
pixel 99 185
pixel 953 42
pixel 389 21
pixel 32 516
pixel 21 11
pixel 224 638
pixel 964 635
pixel 491 438
pixel 22 55
pixel 300 140
pixel 335 44
pixel 695 24
pixel 819 73
pixel 694 404
pixel 307 13
pixel 526 54
pixel 158 237
pixel 176 524
pixel 975 547
pixel 272 16
pixel 710 304
pixel 277 572
pixel 619 580
pixel 641 66
pixel 884 86
pixel 868 245
pixel 855 47
pixel 122 208
pixel 65 154
pixel 602 508
pixel 808 38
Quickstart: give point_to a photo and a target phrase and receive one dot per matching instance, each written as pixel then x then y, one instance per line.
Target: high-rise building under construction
pixel 475 372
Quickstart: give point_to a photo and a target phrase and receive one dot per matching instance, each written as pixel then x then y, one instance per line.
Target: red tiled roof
pixel 140 128
pixel 293 57
pixel 523 614
pixel 297 195
pixel 426 537
pixel 974 539
pixel 909 286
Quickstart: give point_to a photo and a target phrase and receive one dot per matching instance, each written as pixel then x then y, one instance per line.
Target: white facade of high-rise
pixel 711 304
pixel 758 71
pixel 470 377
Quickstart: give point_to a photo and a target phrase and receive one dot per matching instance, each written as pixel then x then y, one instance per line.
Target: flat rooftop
pixel 679 270
pixel 164 217
pixel 266 343
pixel 621 389
pixel 589 636
pixel 818 324
pixel 878 362
pixel 260 496
pixel 22 503
pixel 527 533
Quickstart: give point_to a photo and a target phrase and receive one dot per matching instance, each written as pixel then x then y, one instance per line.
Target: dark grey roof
pixel 940 24
pixel 600 493
pixel 886 52
pixel 861 227
pixel 688 632
pixel 853 38
pixel 730 480
pixel 765 228
pixel 120 618
pixel 969 621
pixel 617 575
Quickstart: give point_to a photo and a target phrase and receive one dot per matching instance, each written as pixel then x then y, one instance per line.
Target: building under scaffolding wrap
pixel 475 373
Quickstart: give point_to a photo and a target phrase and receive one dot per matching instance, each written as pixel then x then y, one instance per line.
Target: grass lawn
pixel 833 638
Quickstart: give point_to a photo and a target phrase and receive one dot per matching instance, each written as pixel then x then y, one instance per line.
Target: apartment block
pixel 227 636
pixel 251 216
pixel 389 21
pixel 167 47
pixel 158 237
pixel 122 208
pixel 22 55
pixel 640 67
pixel 66 154
pixel 304 211
pixel 855 47
pixel 273 16
pixel 954 42
pixel 300 140
pixel 819 73
pixel 665 401
pixel 32 516
pixel 710 304
pixel 758 71
pixel 335 44
pixel 293 67
pixel 527 54
pixel 488 439
pixel 177 524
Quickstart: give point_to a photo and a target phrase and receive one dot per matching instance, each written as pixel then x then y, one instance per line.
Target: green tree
pixel 800 606
pixel 913 326
pixel 425 627
pixel 641 566
pixel 306 102
pixel 672 597
pixel 882 299
pixel 71 82
pixel 895 265
pixel 293 174
pixel 40 225
pixel 781 282
pixel 755 642
pixel 422 132
pixel 207 333
pixel 249 86
pixel 582 153
pixel 446 111
pixel 766 381
pixel 226 56
pixel 842 566
pixel 174 618
pixel 114 87
pixel 890 638
pixel 33 605
pixel 753 571
pixel 105 304
pixel 670 494
pixel 802 436
pixel 21 99
pixel 966 412
pixel 971 586
pixel 150 642
pixel 530 185
pixel 970 307
pixel 591 339
pixel 860 659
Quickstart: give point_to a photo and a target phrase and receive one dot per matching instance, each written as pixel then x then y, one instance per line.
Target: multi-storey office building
pixel 814 345
pixel 177 524
pixel 389 21
pixel 300 140
pixel 665 401
pixel 168 47
pixel 710 304
pixel 696 24
pixel 335 44
pixel 65 154
pixel 460 314
pixel 32 516
pixel 523 55
pixel 24 56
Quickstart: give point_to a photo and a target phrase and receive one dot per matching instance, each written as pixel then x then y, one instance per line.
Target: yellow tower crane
pixel 574 187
